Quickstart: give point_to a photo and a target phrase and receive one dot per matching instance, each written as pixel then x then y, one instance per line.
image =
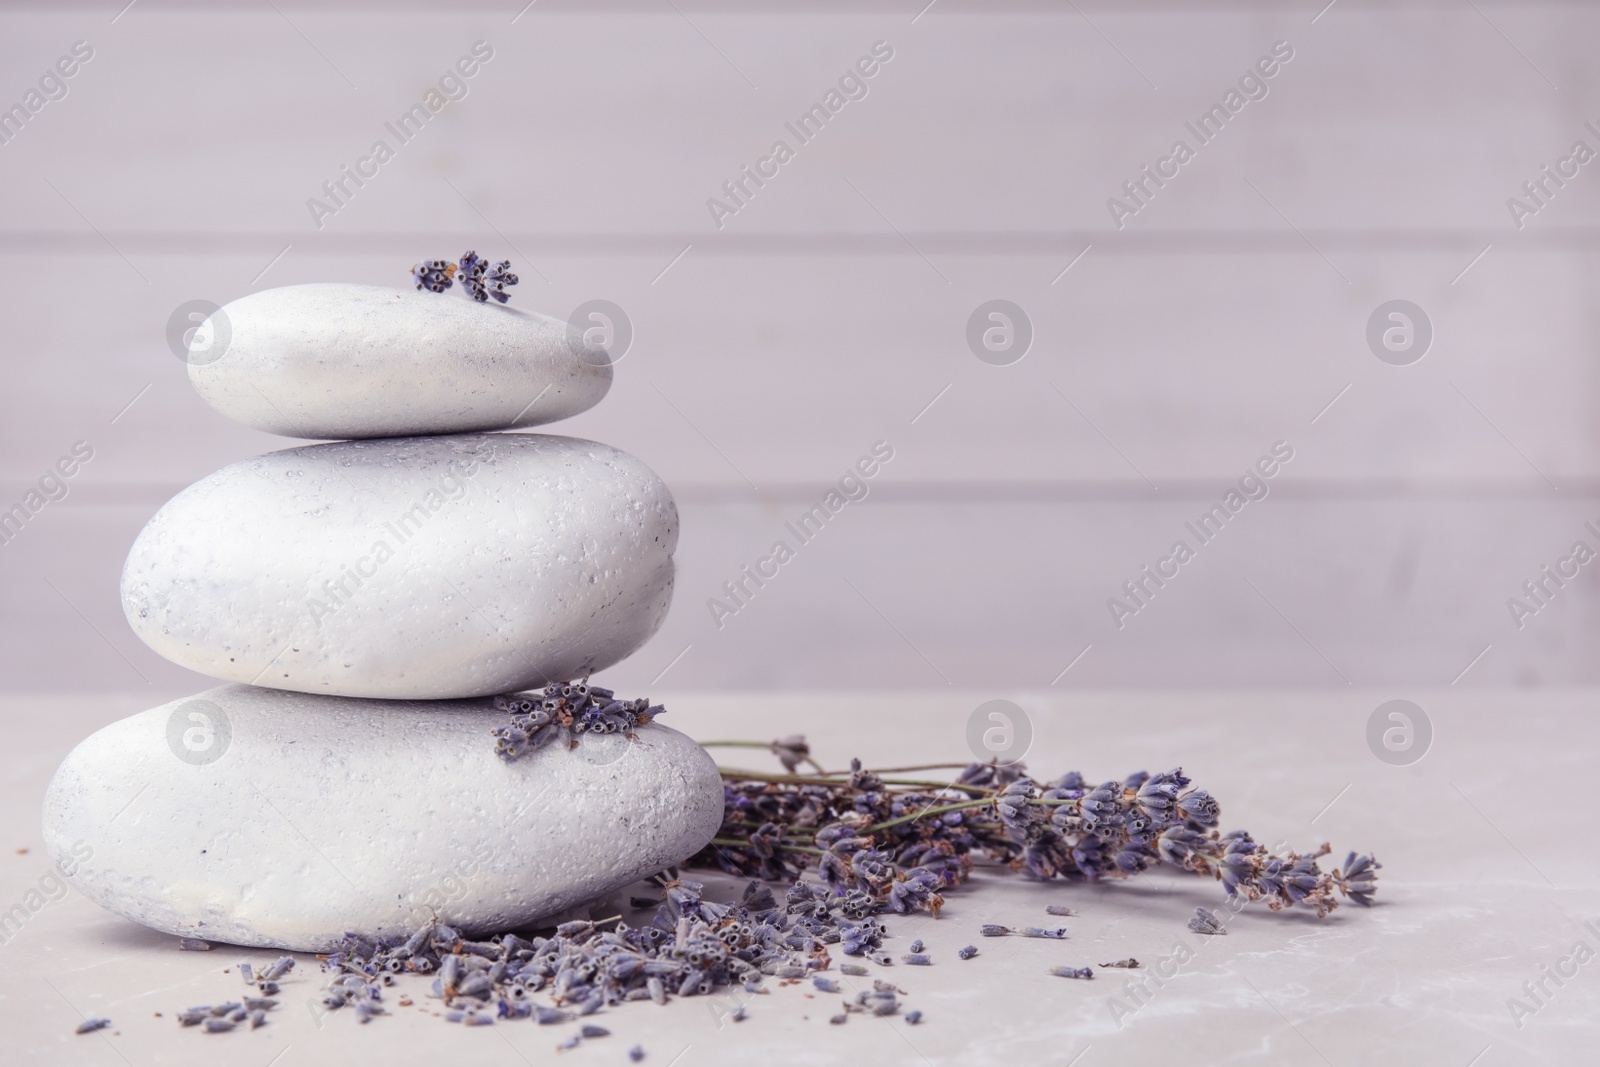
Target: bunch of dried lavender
pixel 575 708
pixel 896 842
pixel 900 841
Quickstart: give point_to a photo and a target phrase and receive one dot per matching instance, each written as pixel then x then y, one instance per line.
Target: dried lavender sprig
pixel 570 709
pixel 478 276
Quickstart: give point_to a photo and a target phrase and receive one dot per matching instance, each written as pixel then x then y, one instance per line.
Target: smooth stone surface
pixel 409 568
pixel 283 820
pixel 344 361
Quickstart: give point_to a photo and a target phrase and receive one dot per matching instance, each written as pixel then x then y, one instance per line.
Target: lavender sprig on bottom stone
pixel 568 709
pixel 900 842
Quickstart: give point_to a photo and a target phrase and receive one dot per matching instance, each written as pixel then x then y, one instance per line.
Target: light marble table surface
pixel 1489 878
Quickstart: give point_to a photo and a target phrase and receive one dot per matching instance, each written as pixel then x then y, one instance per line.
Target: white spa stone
pixel 408 568
pixel 283 820
pixel 341 361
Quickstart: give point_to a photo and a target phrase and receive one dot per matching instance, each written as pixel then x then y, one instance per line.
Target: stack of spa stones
pixel 369 597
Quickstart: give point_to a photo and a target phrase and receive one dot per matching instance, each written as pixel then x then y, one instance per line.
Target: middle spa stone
pixel 412 568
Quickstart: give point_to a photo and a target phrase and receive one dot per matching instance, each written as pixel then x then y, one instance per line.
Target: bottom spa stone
pixel 275 819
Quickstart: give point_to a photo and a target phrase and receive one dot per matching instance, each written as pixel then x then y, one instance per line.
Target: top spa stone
pixel 345 361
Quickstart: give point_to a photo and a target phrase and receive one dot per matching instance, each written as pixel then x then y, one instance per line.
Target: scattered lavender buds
pixel 1205 922
pixel 996 930
pixel 89 1026
pixel 968 952
pixel 479 278
pixel 880 1000
pixel 221 1018
pixel 276 970
pixel 913 1017
pixel 1072 972
pixel 1058 909
pixel 855 970
pixel 636 1053
pixel 574 708
pixel 690 947
pixel 916 946
pixel 1129 963
pixel 916 959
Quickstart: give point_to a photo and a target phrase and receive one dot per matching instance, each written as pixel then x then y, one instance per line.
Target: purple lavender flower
pixel 1199 808
pixel 916 890
pixel 861 780
pixel 472 268
pixel 791 751
pixel 1017 813
pixel 1158 796
pixel 1358 879
pixel 433 275
pixel 499 277
pixel 1237 865
pixel 1178 843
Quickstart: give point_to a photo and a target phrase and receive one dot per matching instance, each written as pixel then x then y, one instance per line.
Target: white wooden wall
pixel 826 314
